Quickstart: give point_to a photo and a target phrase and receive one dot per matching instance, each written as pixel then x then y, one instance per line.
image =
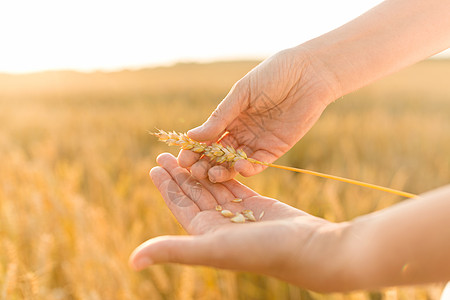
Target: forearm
pixel 394 34
pixel 406 244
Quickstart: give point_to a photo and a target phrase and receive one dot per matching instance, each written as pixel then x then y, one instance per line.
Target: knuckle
pixel 217 113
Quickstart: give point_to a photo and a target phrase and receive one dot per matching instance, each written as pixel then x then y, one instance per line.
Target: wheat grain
pixel 221 154
pixel 238 218
pixel 237 200
pixel 215 151
pixel 261 215
pixel 226 213
pixel 248 214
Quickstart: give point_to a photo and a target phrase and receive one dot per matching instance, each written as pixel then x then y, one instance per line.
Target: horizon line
pixel 170 64
pixel 167 64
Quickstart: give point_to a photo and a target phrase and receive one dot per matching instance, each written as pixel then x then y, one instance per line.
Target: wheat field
pixel 76 199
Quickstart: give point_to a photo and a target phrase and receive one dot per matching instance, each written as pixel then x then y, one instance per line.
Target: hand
pixel 265 113
pixel 285 242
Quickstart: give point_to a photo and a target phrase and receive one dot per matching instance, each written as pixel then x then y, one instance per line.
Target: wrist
pixel 333 259
pixel 323 263
pixel 340 64
pixel 323 82
pixel 345 59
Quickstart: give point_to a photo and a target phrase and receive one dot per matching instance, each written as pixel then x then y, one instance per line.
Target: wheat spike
pixel 221 154
pixel 215 151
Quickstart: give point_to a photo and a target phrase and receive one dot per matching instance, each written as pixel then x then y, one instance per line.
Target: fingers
pixel 185 183
pixel 258 247
pixel 183 208
pixel 239 190
pixel 228 110
pixel 191 250
pixel 246 168
pixel 200 169
pixel 219 191
pixel 175 249
pixel 204 168
pixel 187 158
pixel 221 174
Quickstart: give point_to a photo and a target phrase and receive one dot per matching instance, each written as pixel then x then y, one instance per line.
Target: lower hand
pixel 285 242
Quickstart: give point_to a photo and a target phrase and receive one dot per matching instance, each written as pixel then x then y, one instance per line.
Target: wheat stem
pixel 221 154
pixel 342 179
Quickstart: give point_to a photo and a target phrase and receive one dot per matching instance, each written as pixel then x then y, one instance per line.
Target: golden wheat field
pixel 76 199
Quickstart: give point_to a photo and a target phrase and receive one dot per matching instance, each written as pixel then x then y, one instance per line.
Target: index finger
pixel 238 189
pixel 182 207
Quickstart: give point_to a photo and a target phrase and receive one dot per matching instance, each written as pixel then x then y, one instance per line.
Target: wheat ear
pixel 221 154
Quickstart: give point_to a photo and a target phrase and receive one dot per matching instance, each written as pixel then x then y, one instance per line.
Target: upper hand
pixel 265 113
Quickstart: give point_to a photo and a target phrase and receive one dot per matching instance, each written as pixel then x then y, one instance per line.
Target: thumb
pixel 227 110
pixel 192 250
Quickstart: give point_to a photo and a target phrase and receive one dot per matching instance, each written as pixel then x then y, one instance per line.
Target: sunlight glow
pixel 107 35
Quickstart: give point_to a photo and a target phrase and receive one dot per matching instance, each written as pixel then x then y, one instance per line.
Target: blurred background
pixel 82 82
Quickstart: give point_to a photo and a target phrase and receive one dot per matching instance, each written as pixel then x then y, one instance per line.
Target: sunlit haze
pixel 110 35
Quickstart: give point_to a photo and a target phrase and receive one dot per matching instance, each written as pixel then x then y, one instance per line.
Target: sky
pixel 112 35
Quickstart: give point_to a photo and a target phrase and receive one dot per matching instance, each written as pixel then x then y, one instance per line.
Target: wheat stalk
pixel 215 152
pixel 221 154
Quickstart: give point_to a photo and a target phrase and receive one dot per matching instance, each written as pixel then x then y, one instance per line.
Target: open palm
pixel 271 245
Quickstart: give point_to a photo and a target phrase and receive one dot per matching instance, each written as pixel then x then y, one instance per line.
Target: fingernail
pixel 142 263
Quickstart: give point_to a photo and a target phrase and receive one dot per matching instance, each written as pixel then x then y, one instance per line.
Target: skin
pixel 266 113
pixel 390 247
pixel 276 103
pixel 266 246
